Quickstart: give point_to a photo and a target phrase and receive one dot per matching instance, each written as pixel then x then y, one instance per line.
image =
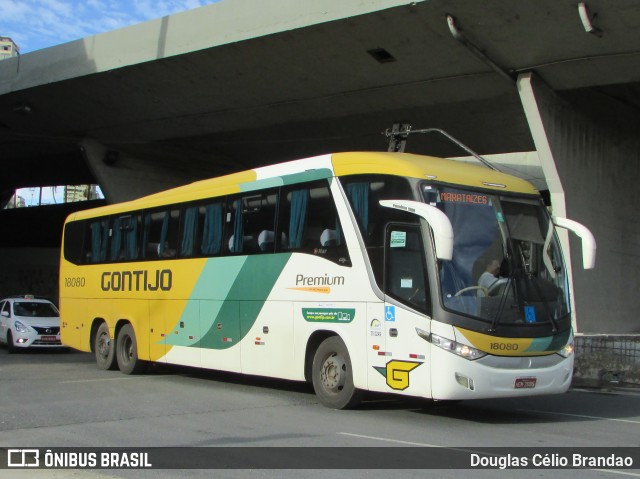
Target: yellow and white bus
pixel 385 272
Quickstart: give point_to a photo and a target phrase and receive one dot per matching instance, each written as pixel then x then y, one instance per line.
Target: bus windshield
pixel 506 266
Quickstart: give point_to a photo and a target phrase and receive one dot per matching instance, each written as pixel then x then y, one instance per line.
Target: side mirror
pixel 5 314
pixel 438 221
pixel 588 240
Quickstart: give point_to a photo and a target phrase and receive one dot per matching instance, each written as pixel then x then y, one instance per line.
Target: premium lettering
pixel 326 280
pixel 140 280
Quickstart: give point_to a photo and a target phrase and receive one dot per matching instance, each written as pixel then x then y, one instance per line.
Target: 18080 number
pixel 77 282
pixel 504 346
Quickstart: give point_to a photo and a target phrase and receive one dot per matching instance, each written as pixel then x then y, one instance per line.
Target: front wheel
pixel 127 352
pixel 333 377
pixel 104 348
pixel 11 349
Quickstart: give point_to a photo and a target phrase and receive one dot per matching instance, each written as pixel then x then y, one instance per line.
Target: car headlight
pixel 20 327
pixel 454 347
pixel 567 350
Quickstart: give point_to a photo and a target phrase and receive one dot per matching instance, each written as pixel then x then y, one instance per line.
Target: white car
pixel 27 322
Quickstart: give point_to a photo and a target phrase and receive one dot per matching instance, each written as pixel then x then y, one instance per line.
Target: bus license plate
pixel 525 383
pixel 48 339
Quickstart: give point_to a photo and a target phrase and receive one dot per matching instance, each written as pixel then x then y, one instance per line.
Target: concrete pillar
pixel 592 164
pixel 123 177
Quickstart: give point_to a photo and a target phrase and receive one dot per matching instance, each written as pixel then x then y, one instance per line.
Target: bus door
pixel 407 311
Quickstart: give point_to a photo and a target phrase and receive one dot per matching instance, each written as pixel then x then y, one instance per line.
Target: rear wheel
pixel 104 348
pixel 10 347
pixel 127 352
pixel 333 377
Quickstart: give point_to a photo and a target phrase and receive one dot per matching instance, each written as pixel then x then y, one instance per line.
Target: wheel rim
pixel 127 349
pixel 103 346
pixel 333 373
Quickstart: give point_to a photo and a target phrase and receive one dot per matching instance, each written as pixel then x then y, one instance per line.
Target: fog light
pixel 21 341
pixel 464 381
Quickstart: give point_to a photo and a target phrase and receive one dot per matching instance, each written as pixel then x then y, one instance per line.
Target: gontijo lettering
pixel 139 280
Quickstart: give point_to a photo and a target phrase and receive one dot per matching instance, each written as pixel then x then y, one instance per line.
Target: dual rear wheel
pixel 121 353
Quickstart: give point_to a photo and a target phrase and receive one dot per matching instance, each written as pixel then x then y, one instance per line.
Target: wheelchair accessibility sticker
pixel 390 313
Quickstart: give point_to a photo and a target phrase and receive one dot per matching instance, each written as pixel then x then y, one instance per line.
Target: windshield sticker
pixel 398 239
pixel 327 315
pixel 499 217
pixel 530 314
pixel 406 282
pixel 464 198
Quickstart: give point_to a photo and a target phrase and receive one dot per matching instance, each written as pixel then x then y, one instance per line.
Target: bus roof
pixel 438 170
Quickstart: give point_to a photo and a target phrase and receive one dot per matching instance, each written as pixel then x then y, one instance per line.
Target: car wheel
pixel 332 375
pixel 11 349
pixel 127 352
pixel 104 348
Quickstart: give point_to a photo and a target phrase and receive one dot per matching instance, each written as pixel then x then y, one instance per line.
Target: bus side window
pixel 99 240
pixel 74 240
pixel 308 222
pixel 191 224
pixel 124 238
pixel 212 215
pixel 250 223
pixel 160 234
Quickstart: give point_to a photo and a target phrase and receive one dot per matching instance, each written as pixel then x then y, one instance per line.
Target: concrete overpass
pixel 243 83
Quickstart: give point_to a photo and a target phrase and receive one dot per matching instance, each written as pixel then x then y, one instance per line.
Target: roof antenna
pixel 399 133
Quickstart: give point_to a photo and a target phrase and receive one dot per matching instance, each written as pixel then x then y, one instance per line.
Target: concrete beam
pixel 198 29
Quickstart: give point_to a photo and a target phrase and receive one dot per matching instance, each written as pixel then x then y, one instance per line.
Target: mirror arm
pixel 438 221
pixel 588 240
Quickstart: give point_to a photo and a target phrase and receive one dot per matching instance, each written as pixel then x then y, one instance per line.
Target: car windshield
pixel 506 266
pixel 34 310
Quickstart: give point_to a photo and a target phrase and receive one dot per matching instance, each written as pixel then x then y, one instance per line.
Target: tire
pixel 104 349
pixel 332 375
pixel 11 349
pixel 127 352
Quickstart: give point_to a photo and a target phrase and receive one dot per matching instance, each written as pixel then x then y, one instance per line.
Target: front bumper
pixel 495 376
pixel 32 339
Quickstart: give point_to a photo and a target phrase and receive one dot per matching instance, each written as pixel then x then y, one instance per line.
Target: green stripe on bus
pixel 227 300
pixel 293 179
pixel 549 343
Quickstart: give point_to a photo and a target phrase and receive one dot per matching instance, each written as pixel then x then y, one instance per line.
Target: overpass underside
pixel 238 84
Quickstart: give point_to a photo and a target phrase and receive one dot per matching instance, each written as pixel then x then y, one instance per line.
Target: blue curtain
pixel 238 230
pixel 299 204
pixel 164 233
pixel 212 234
pixel 189 231
pixel 96 242
pixel 145 234
pixel 105 239
pixel 116 240
pixel 359 195
pixel 131 239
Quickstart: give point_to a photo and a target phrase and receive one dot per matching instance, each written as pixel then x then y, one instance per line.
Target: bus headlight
pixel 454 347
pixel 567 350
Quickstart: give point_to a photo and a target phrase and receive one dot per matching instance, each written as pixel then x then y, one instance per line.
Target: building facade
pixel 8 48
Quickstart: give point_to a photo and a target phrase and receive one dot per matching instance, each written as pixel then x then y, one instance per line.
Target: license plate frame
pixel 525 383
pixel 48 339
